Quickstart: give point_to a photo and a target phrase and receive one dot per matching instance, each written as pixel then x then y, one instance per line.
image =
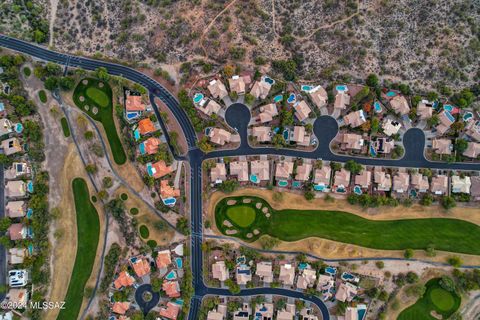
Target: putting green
pixel 442 299
pixel 243 216
pixel 98 96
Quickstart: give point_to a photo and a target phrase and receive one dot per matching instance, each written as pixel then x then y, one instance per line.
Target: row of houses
pixel 264 170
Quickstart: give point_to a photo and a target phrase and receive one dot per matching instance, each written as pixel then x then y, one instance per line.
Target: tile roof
pixel 146 126
pixel 124 279
pixel 163 259
pixel 134 103
pixel 141 267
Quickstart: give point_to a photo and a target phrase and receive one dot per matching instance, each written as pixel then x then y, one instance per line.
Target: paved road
pixel 3 252
pixel 237 116
pixel 146 306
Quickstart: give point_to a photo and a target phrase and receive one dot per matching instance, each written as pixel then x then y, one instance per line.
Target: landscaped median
pixel 249 217
pixel 94 97
pixel 88 231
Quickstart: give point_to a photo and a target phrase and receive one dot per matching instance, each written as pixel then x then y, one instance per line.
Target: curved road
pixel 237 116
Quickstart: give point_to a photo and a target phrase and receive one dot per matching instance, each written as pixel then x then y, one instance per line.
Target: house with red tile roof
pixel 141 267
pixel 121 307
pixel 163 259
pixel 171 311
pixel 150 146
pixel 134 103
pixel 171 288
pixel 17 231
pixel 159 169
pixel 167 191
pixel 124 279
pixel 146 126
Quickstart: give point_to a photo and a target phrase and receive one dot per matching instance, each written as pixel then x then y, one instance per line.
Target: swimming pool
pixel 357 190
pixel 169 201
pixel 448 108
pixel 296 184
pixel 377 107
pixel 282 183
pixel 132 115
pixel 29 212
pixel 141 147
pixel 172 275
pixel 373 152
pixel 361 310
pixel 331 271
pixel 197 97
pixel 276 130
pixel 302 266
pixel 467 116
pixel 278 98
pixel 207 130
pixel 136 134
pixel 435 105
pixel 449 116
pixel 319 187
pixel 268 80
pixel 391 94
pixel 306 88
pixel 286 135
pixel 149 169
pixel 413 193
pixel 341 88
pixel 18 128
pixel 254 178
pixel 341 189
pixel 349 277
pixel 292 98
pixel 30 186
pixel 133 259
pixel 179 263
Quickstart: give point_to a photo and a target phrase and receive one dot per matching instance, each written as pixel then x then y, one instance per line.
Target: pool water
pixel 171 275
pixel 331 271
pixel 357 190
pixel 207 131
pixel 141 147
pixel 133 115
pixel 136 134
pixel 292 98
pixel 347 276
pixel 268 80
pixel 377 107
pixel 413 193
pixel 29 212
pixel 467 116
pixel 448 108
pixel 169 201
pixel 319 187
pixel 296 184
pixel 449 116
pixel 197 97
pixel 373 152
pixel 306 88
pixel 30 186
pixel 286 135
pixel 391 94
pixel 133 259
pixel 341 190
pixel 341 88
pixel 276 130
pixel 282 183
pixel 18 128
pixel 278 98
pixel 179 263
pixel 302 266
pixel 254 178
pixel 149 169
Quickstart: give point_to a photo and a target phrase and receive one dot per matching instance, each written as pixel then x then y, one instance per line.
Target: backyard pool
pixel 467 116
pixel 319 187
pixel 207 131
pixel 29 213
pixel 341 88
pixel 136 134
pixel 331 271
pixel 286 135
pixel 391 94
pixel 292 98
pixel 172 275
pixel 448 108
pixel 141 147
pixel 357 190
pixel 30 186
pixel 373 152
pixel 307 88
pixel 149 169
pixel 296 184
pixel 413 193
pixel 349 277
pixel 179 263
pixel 282 183
pixel 197 97
pixel 18 128
pixel 268 80
pixel 361 310
pixel 341 189
pixel 132 115
pixel 449 116
pixel 302 266
pixel 254 178
pixel 278 98
pixel 169 201
pixel 377 107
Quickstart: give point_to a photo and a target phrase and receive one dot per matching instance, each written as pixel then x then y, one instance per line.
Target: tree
pixel 278 141
pixel 233 287
pixel 91 168
pixel 461 145
pixel 415 290
pixel 5 224
pixel 156 284
pixel 309 195
pixel 107 182
pixel 287 68
pixel 433 121
pixel 249 99
pixel 380 264
pixel 228 186
pixel 66 83
pixel 426 200
pixel 448 202
pixel 447 283
pixel 229 71
pixel 51 83
pixel 372 80
pixel 430 251
pixel 408 254
pixel 88 135
pixel 182 225
pixel 353 167
pixel 411 277
pixel 102 74
pixel 455 261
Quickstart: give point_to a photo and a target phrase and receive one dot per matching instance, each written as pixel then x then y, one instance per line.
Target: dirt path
pixel 53 15
pixel 329 249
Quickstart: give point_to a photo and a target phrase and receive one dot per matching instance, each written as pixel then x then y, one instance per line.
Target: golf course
pixel 94 97
pixel 249 217
pixel 435 299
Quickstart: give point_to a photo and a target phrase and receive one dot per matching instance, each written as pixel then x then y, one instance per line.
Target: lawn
pixel 43 96
pixel 435 298
pixel 65 127
pixel 98 94
pixel 27 72
pixel 290 225
pixel 88 231
pixel 242 216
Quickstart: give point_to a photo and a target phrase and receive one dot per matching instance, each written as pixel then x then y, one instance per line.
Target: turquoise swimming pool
pixel 133 115
pixel 292 98
pixel 29 212
pixel 286 135
pixel 149 169
pixel 361 310
pixel 307 88
pixel 296 184
pixel 357 190
pixel 207 130
pixel 341 88
pixel 373 152
pixel 413 193
pixel 198 97
pixel 319 187
pixel 30 186
pixel 169 201
pixel 172 275
pixel 282 183
pixel 141 147
pixel 18 128
pixel 179 263
pixel 254 178
pixel 448 108
pixel 377 107
pixel 347 276
pixel 278 98
pixel 467 116
pixel 268 80
pixel 136 134
pixel 391 94
pixel 341 189
pixel 331 271
pixel 449 116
